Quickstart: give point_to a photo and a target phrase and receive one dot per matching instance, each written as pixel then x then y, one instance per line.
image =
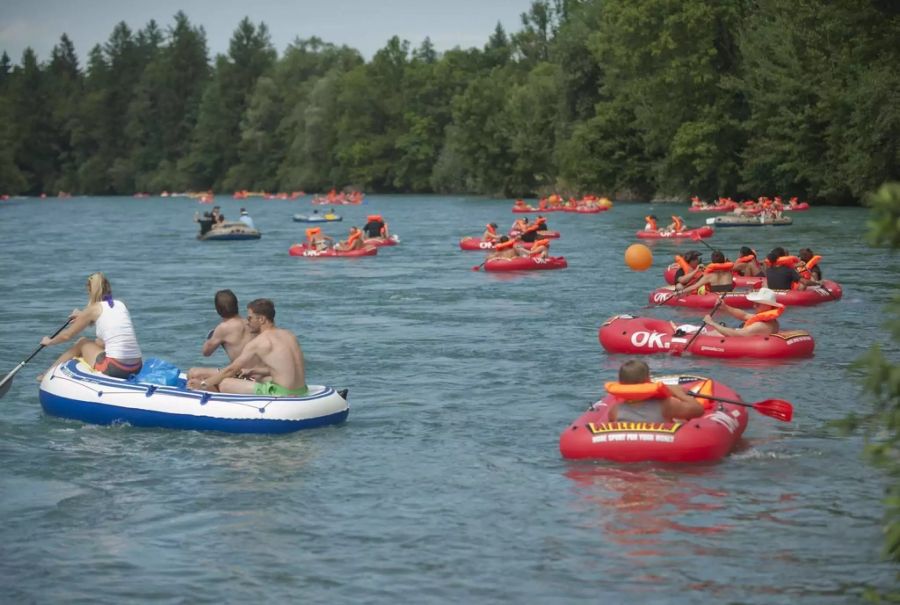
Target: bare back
pixel 279 351
pixel 231 334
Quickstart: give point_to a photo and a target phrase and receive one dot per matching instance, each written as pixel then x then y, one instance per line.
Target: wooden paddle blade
pixel 775 408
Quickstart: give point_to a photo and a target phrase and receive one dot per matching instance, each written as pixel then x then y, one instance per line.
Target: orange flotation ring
pixel 764 316
pixel 637 392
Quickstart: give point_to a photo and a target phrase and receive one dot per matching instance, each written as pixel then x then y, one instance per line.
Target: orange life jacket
pixel 520 202
pixel 491 229
pixel 805 269
pixel 312 231
pixel 705 389
pixel 532 227
pixel 540 242
pixel 714 267
pixel 651 222
pixel 686 267
pixel 637 392
pixel 770 315
pixel 783 261
pixel 679 224
pixel 353 237
pixel 504 245
pixel 747 259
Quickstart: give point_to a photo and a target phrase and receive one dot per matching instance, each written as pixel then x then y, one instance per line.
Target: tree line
pixel 627 98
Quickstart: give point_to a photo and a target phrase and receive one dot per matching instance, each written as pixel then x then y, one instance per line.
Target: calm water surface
pixel 446 484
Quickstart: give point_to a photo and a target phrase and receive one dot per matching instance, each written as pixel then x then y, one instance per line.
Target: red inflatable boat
pixel 378 242
pixel 647 335
pixel 525 263
pixel 698 233
pixel 666 296
pixel 705 439
pixel 739 280
pixel 302 250
pixel 475 243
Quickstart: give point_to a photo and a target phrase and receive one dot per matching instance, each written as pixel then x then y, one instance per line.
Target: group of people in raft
pixel 375 228
pixel 676 226
pixel 522 232
pixel 645 401
pixel 265 360
pixel 763 204
pixel 781 270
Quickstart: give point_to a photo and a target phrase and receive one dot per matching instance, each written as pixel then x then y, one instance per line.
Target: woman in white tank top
pixel 115 351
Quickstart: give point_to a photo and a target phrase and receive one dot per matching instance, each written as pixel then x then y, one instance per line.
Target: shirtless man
pixel 231 334
pixel 273 349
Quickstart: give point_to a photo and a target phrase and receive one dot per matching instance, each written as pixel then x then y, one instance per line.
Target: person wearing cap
pixel 717 277
pixel 683 277
pixel 762 322
pixel 246 219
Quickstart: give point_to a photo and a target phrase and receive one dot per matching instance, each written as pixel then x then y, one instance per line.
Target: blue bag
pixel 157 371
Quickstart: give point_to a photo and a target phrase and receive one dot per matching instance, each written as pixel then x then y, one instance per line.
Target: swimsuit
pixel 117 368
pixel 276 390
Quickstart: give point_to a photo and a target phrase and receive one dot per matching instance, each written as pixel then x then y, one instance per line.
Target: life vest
pixel 714 267
pixel 353 237
pixel 783 261
pixel 532 227
pixel 686 267
pixel 490 229
pixel 373 217
pixel 650 222
pixel 637 392
pixel 313 231
pixel 746 259
pixel 504 245
pixel 705 389
pixel 540 221
pixel 540 242
pixel 806 269
pixel 520 202
pixel 770 315
pixel 679 224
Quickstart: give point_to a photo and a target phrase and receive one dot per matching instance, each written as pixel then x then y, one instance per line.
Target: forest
pixel 633 99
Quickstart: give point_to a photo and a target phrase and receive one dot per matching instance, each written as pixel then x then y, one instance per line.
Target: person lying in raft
pixel 762 322
pixel 647 401
pixel 316 240
pixel 232 334
pixel 115 351
pixel 747 263
pixel 507 248
pixel 354 241
pixel 490 233
pixel 717 277
pixel 689 268
pixel 781 272
pixel 676 226
pixel 274 350
pixel 539 249
pixel 810 268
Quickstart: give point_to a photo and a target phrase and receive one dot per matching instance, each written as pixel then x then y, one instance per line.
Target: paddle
pixel 696 237
pixel 775 408
pixel 7 380
pixel 477 267
pixel 678 352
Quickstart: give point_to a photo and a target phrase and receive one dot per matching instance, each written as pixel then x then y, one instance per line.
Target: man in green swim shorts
pixel 273 350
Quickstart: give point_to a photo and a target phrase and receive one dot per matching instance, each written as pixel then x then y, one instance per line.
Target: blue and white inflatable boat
pixel 74 390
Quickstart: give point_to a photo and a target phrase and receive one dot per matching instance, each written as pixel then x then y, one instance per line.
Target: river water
pixel 446 484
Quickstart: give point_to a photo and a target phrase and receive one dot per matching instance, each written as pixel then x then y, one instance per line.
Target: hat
pixel 244 211
pixel 764 296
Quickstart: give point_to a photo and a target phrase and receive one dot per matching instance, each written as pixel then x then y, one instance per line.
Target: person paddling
pixel 762 322
pixel 646 401
pixel 115 351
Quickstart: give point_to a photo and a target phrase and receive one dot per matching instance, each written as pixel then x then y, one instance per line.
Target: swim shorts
pixel 115 368
pixel 276 390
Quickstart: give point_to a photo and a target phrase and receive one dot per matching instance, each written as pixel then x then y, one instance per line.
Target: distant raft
pixel 525 263
pixel 305 251
pixel 230 232
pixel 698 233
pixel 826 292
pixel 748 221
pixel 317 218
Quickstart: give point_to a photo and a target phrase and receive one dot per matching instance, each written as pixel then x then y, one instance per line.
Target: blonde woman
pixel 115 351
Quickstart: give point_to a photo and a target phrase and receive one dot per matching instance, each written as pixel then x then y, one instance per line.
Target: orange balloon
pixel 638 257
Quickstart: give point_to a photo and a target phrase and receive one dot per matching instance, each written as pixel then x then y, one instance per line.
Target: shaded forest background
pixel 627 98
